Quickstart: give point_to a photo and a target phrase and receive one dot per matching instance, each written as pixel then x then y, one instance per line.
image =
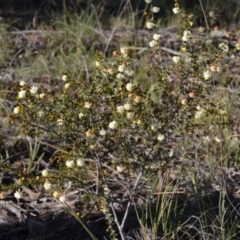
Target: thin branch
pixel 121 225
pixel 204 14
pixel 111 201
pixel 130 200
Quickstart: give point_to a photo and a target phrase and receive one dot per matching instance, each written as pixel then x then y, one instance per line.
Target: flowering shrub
pixel 115 124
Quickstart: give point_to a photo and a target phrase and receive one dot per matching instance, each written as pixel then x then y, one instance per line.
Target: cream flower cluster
pixel 176 10
pixel 216 68
pixel 60 122
pixel 207 74
pixel 113 125
pixel 127 106
pixel 71 163
pixel 16 110
pixel 47 185
pixel 45 173
pixel 81 115
pixel 150 25
pixel 129 87
pixel 155 40
pixel 64 77
pixel 123 71
pixel 124 51
pixel 176 59
pixel 238 46
pixel 155 9
pixel 62 199
pixel 33 90
pixel 186 35
pixel 121 68
pixel 120 109
pixel 18 194
pixel 102 132
pixel 22 94
pixel 41 95
pixel 160 137
pixel 97 64
pixel 88 105
pixel 80 162
pixel 67 85
pixel 22 83
pixel 200 112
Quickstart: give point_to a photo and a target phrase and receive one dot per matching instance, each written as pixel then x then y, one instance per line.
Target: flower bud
pixel 184 102
pixel 191 94
pixel 115 53
pixel 137 99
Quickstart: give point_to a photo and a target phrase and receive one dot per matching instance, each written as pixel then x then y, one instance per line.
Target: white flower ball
pixel 106 190
pixel 22 83
pixel 18 194
pixel 45 173
pixel 62 199
pixel 80 162
pixel 102 132
pixel 129 87
pixel 160 137
pixel 64 77
pixel 88 105
pixel 120 76
pixel 129 72
pixel 113 125
pixel 55 194
pixel 67 85
pixel 153 43
pixel 176 59
pixel 33 90
pixel 127 106
pixel 60 122
pixel 150 25
pixel 16 110
pixel 47 185
pixel 121 68
pixel 207 74
pixel 120 169
pixel 156 36
pixel 97 64
pixel 155 9
pixel 120 109
pixel 176 10
pixel 22 94
pixel 70 163
pixel 123 50
pixel 41 95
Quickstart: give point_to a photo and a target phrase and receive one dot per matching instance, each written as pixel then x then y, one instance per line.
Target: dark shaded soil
pixel 46 219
